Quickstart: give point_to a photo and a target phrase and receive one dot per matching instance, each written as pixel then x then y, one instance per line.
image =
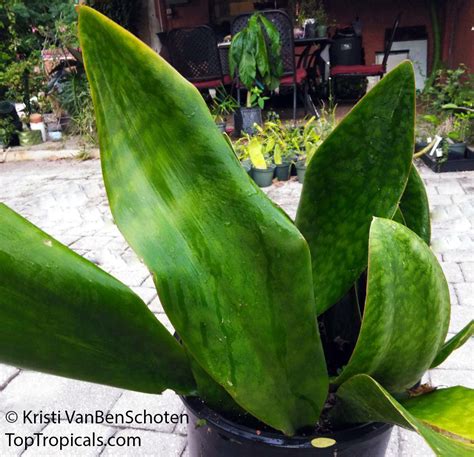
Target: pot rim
pixel 269 168
pixel 351 435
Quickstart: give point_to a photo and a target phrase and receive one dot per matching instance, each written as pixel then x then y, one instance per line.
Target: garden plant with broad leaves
pixel 241 283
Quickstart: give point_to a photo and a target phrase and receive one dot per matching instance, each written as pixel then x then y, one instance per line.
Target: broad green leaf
pixel 415 207
pixel 61 314
pixel 454 343
pixel 227 262
pixel 362 399
pixel 406 313
pixel 359 171
pixel 450 411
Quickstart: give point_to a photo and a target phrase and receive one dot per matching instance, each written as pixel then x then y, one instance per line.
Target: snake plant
pixel 241 283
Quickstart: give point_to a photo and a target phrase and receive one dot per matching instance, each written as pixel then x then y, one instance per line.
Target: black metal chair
pixel 292 76
pixel 367 70
pixel 194 53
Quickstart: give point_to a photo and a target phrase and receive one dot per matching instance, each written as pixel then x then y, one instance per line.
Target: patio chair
pixel 194 53
pixel 292 76
pixel 341 71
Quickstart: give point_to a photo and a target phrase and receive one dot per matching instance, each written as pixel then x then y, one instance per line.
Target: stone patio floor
pixel 67 200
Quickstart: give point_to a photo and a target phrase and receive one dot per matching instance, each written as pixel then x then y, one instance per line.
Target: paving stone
pixel 465 293
pixel 38 391
pixel 460 359
pixel 460 317
pixel 12 445
pixel 81 440
pixel 449 188
pixel 147 294
pixel 166 411
pixel 452 271
pixel 6 373
pixel 447 378
pixel 413 445
pixel 468 271
pixel 461 255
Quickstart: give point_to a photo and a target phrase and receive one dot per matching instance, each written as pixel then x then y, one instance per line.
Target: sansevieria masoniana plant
pixel 242 284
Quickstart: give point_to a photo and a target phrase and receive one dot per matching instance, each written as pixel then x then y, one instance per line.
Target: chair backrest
pixel 389 43
pixel 284 26
pixel 194 53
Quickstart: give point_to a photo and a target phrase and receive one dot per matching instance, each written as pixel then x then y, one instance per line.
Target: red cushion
pixel 288 80
pixel 211 83
pixel 365 70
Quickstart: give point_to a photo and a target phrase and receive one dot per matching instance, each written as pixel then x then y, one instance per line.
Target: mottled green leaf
pixel 360 171
pixel 454 343
pixel 362 399
pixel 415 207
pixel 450 411
pixel 406 313
pixel 61 314
pixel 232 272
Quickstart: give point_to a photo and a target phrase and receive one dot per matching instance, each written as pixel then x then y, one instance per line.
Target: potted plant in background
pixel 321 18
pixel 222 105
pixel 255 56
pixel 243 287
pixel 461 127
pixel 263 169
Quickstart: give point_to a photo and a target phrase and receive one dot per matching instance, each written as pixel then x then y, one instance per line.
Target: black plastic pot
pixel 263 176
pixel 282 171
pixel 457 151
pixel 310 30
pixel 212 435
pixel 300 170
pixel 245 118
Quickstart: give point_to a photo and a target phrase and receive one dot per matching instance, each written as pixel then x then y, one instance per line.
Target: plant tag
pixel 323 442
pixel 435 146
pixel 439 152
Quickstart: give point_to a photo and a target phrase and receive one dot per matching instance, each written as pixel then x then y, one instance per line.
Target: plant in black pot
pixel 461 125
pixel 222 105
pixel 243 285
pixel 258 150
pixel 255 56
pixel 278 145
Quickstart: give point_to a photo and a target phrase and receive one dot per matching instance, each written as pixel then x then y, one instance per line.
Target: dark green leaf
pixel 454 343
pixel 360 171
pixel 362 399
pixel 415 207
pixel 61 314
pixel 228 264
pixel 406 313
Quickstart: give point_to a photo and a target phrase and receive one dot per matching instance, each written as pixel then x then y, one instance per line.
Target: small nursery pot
pixel 457 151
pixel 30 137
pixel 263 177
pixel 282 171
pixel 245 118
pixel 247 166
pixel 216 436
pixel 321 31
pixel 300 170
